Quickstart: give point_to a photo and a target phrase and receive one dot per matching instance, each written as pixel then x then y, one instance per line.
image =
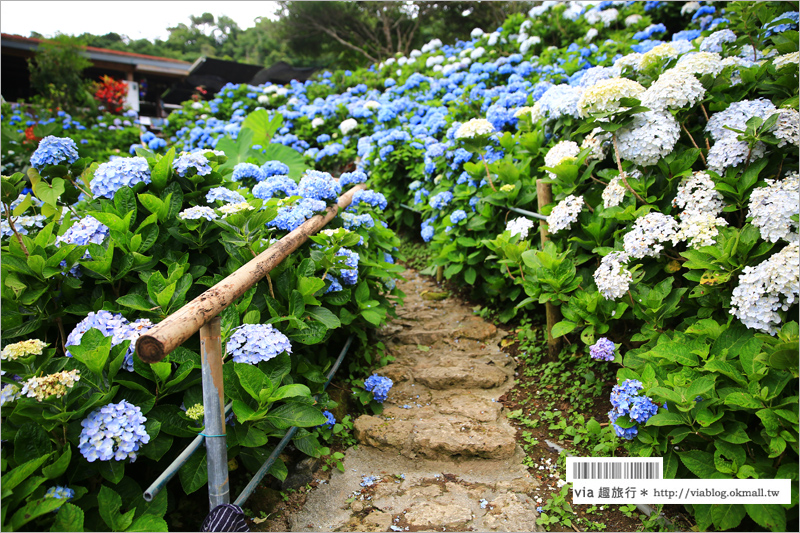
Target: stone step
pixel 437 437
pixel 458 373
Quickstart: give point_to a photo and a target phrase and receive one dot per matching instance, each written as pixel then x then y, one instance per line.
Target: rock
pixel 378 519
pixel 476 328
pixel 511 512
pixel 423 337
pixel 428 514
pixel 357 506
pixel 452 373
pixel 302 475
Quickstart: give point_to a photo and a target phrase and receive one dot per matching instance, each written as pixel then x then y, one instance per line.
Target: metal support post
pixel 214 408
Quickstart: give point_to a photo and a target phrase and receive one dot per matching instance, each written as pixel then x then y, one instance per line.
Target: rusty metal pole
pixel 214 408
pixel 544 194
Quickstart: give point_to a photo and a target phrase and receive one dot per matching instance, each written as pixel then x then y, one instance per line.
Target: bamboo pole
pixel 182 324
pixel 544 194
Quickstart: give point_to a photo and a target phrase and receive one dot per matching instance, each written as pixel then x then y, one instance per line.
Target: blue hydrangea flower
pixel 323 138
pixel 331 419
pixel 110 325
pixel 121 172
pixel 224 195
pixel 335 285
pixel 379 386
pixel 387 257
pixel 273 184
pixel 274 168
pixel 197 212
pixel 59 493
pixel 626 400
pixel 441 200
pixel 602 350
pixel 457 216
pixel 253 343
pixel 349 276
pixel 318 186
pixel 352 178
pixel 369 197
pixel 54 151
pixel 196 161
pixel 290 217
pixel 350 221
pixel 84 231
pixel 115 431
pixel 247 170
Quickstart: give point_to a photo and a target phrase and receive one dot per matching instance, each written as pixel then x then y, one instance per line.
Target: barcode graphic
pixel 616 470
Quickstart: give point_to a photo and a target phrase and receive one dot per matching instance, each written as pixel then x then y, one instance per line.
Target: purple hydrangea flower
pixel 379 386
pixel 115 431
pixel 602 350
pixel 54 151
pixel 253 343
pixel 110 325
pixel 84 231
pixel 121 172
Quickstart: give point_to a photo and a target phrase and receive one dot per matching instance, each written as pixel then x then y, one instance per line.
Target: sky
pixel 136 19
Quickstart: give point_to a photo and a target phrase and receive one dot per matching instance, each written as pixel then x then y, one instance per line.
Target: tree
pixel 56 72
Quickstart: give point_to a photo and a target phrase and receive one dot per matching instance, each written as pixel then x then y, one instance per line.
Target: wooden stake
pixel 182 324
pixel 544 194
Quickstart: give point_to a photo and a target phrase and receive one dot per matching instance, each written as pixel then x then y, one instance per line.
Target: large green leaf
pixel 768 516
pixel 263 127
pixel 194 473
pixel 68 518
pixel 287 156
pixel 700 463
pixel 296 414
pixel 252 380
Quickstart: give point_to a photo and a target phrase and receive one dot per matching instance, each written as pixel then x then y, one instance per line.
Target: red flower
pixel 111 93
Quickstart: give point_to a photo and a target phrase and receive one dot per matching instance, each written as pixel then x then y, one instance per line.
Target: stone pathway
pixel 441 456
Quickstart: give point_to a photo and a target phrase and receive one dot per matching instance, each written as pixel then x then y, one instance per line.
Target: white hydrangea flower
pixel 629 61
pixel 698 229
pixel 696 195
pixel 608 16
pixel 614 192
pixel 772 208
pixel 737 115
pixel 560 153
pixel 767 288
pixel 674 89
pixel 372 105
pixel 713 43
pixel 597 141
pixel 611 277
pixel 605 95
pixel 520 112
pixel 658 54
pixel 592 16
pixel 701 63
pixel 591 34
pixel 348 125
pixel 647 234
pixel 317 122
pixel 650 136
pixel 690 7
pixel 630 20
pixel 787 129
pixel 474 127
pixel 520 226
pixel 786 59
pixel 565 213
pixel 230 209
pixel 730 152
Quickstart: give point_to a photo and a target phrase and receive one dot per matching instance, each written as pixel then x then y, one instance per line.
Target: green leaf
pixel 252 379
pixel 109 503
pixel 307 443
pixel 470 275
pixel 22 472
pixel 111 220
pixel 563 327
pixel 676 352
pixel 68 518
pixel 288 391
pixel 295 414
pixel 727 515
pixel 135 301
pixel 699 463
pixel 743 399
pixel 324 315
pixel 699 387
pixel 665 418
pixel 288 156
pixel 252 317
pixel 30 442
pixel 161 172
pixel 262 125
pixel 313 334
pixel 194 473
pixel 769 516
pixel 308 286
pixel 149 522
pixel 48 193
pixel 60 465
pixel 112 471
pixel 32 510
pixel 93 351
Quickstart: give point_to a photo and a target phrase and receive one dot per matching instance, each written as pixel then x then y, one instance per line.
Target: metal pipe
pixel 170 333
pixel 162 480
pixel 526 213
pixel 248 490
pixel 213 406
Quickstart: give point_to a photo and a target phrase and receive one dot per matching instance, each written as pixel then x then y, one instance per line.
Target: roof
pixel 142 62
